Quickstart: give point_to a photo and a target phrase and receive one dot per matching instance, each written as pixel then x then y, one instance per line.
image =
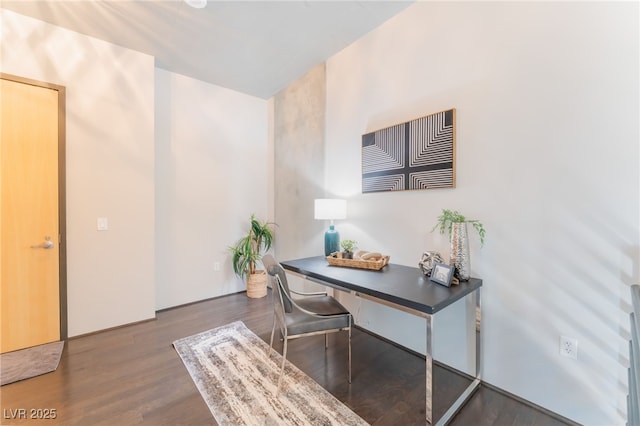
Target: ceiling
pixel 254 47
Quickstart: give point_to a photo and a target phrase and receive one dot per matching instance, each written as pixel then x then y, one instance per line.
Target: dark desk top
pixel 402 285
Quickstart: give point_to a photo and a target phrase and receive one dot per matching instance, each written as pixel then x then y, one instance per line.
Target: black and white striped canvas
pixel 418 154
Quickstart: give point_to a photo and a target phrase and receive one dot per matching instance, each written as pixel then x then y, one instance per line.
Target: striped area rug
pixel 229 366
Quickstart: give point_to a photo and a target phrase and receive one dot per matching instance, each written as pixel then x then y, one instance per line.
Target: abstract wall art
pixel 418 154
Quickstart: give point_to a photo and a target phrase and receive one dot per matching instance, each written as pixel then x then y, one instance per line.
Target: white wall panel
pixel 212 172
pixel 547 158
pixel 109 166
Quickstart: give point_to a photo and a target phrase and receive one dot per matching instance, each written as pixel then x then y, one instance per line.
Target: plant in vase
pixel 248 251
pixel 348 247
pixel 455 224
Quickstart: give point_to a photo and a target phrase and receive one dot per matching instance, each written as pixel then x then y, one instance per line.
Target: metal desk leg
pixel 466 394
pixel 429 374
pixel 478 324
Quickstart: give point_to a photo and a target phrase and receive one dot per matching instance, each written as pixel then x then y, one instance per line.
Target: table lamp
pixel 330 208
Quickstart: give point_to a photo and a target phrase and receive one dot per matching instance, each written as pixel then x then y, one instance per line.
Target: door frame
pixel 62 196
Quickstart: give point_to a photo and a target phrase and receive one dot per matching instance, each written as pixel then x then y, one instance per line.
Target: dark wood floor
pixel 132 375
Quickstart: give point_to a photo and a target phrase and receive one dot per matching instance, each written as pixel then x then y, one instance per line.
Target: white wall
pixel 212 150
pixel 109 165
pixel 547 158
pixel 174 206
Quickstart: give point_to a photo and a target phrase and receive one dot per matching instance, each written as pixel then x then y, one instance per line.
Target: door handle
pixel 48 244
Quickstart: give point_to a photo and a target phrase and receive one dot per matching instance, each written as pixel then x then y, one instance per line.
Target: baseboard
pixel 195 302
pixel 391 342
pixel 469 377
pixel 530 404
pixel 151 319
pixel 91 333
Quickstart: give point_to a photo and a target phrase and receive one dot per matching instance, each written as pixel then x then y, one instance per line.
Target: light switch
pixel 103 224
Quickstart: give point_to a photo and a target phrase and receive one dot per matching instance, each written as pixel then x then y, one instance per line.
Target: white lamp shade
pixel 330 208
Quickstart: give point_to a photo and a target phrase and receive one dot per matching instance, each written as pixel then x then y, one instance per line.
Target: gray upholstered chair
pixel 313 314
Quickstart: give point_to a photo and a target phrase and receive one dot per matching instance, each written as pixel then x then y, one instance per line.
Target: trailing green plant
pixel 349 245
pixel 449 217
pixel 250 249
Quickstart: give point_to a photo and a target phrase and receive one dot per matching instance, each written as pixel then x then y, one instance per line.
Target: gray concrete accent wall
pixel 299 139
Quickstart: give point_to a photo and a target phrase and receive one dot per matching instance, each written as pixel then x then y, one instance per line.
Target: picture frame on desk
pixel 442 274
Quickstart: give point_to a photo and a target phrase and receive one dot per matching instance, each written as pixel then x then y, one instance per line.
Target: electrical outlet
pixel 216 266
pixel 569 347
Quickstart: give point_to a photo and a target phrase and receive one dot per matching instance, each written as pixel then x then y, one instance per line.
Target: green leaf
pixel 448 217
pixel 250 248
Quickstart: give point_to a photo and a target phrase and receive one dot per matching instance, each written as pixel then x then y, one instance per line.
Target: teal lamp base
pixel 331 241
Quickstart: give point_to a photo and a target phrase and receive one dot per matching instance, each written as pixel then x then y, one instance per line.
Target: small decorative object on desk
pixel 442 274
pixel 428 259
pixel 456 224
pixel 361 260
pixel 348 246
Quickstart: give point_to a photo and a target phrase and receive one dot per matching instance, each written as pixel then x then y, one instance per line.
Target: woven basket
pixel 375 265
pixel 257 285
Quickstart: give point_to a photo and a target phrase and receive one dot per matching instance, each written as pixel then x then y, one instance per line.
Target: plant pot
pixel 257 285
pixel 347 255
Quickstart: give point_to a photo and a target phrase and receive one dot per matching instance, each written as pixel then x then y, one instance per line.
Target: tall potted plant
pixel 456 224
pixel 248 251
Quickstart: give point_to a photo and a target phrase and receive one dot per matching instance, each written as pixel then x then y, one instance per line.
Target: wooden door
pixel 29 234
